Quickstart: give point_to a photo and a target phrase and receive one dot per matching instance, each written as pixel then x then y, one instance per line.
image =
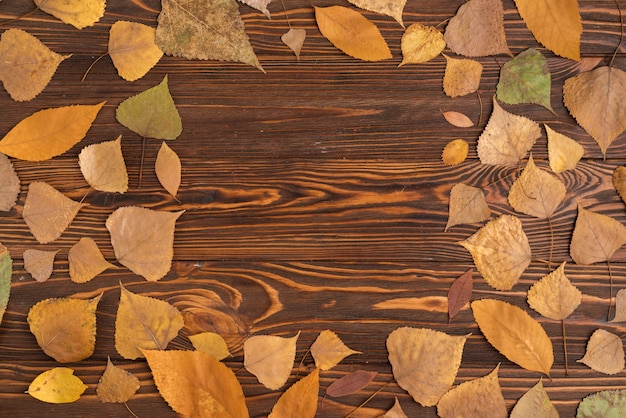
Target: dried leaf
pixel 620 306
pixel 596 237
pixel 507 138
pixel 26 64
pixel 210 343
pixel 555 24
pixel 270 358
pixel 420 44
pixel 605 352
pixel 260 5
pixel 589 63
pixel 608 403
pixel 168 169
pixel 151 113
pixel 350 383
pixel 392 8
pixel 460 293
pixel 455 152
pixel 595 98
pixel 424 361
pixel 480 397
pixel 477 29
pixel 352 33
pixel 39 263
pixel 467 205
pixel 534 403
pixel 195 384
pixel 554 296
pixel 462 76
pixel 116 384
pixel 143 240
pixel 619 181
pixel 58 385
pixel 300 400
pixel 500 251
pixel 197 29
pixel 6 271
pixel 47 212
pixel 563 152
pixel 9 184
pixel 49 132
pixel 133 49
pixel 86 261
pixel 328 350
pixel 395 411
pixel 458 119
pixel 78 13
pixel 294 39
pixel 515 334
pixel 103 166
pixel 143 322
pixel 65 328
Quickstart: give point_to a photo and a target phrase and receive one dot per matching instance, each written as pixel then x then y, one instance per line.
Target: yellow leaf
pixel 195 384
pixel 294 39
pixel 515 334
pixel 352 33
pixel 58 385
pixel 421 44
pixel 9 184
pixel 620 306
pixel 300 400
pixel 554 296
pixel 168 169
pixel 49 132
pixel 563 152
pixel 462 76
pixel 116 384
pixel 86 261
pixel 270 358
pixel 467 206
pixel 103 166
pixel 424 361
pixel 210 343
pixel 39 263
pixel 391 8
pixel 65 328
pixel 596 237
pixel 133 49
pixel 455 152
pixel 78 13
pixel 328 350
pixel 458 119
pixel 395 411
pixel 605 353
pixel 534 403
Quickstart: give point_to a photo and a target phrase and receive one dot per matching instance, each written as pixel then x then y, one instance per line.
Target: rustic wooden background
pixel 315 199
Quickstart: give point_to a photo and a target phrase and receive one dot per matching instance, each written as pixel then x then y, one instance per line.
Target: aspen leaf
pixel 480 397
pixel 620 306
pixel 47 212
pixel 607 403
pixel 294 39
pixel 605 353
pixel 86 261
pixel 195 384
pixel 300 400
pixel 500 251
pixel 58 385
pixel 350 383
pixel 168 168
pixel 6 271
pixel 26 64
pixel 9 184
pixel 554 296
pixel 143 240
pixel 133 49
pixel 596 237
pixel 595 98
pixel 260 5
pixel 555 24
pixel 210 343
pixel 536 192
pixel 619 181
pixel 391 8
pixel 462 76
pixel 424 361
pixel 65 328
pixel 507 138
pixel 458 119
pixel 563 152
pixel 270 358
pixel 455 152
pixel 477 29
pixel 395 411
pixel 197 29
pixel 103 166
pixel 467 205
pixel 420 44
pixel 39 263
pixel 328 350
pixel 352 33
pixel 515 334
pixel 49 132
pixel 534 403
pixel 460 293
pixel 116 384
pixel 78 13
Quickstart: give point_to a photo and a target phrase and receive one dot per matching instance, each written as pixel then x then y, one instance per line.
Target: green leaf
pixel 6 270
pixel 608 403
pixel 525 79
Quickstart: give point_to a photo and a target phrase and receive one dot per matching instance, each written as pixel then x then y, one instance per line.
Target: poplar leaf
pixel 467 206
pixel 39 263
pixel 294 39
pixel 462 76
pixel 620 306
pixel 421 44
pixel 78 13
pixel 270 358
pixel 460 293
pixel 210 343
pixel 103 166
pixel 6 271
pixel 424 361
pixel 49 132
pixel 116 384
pixel 58 385
pixel 395 411
pixel 300 400
pixel 554 296
pixel 352 33
pixel 328 350
pixel 596 237
pixel 146 323
pixel 619 181
pixel 605 353
pixel 391 8
pixel 455 152
pixel 500 250
pixel 350 383
pixel 86 261
pixel 458 119
pixel 534 403
pixel 9 184
pixel 563 152
pixel 168 169
pixel 608 403
pixel 133 49
pixel 515 334
pixel 260 5
pixel 65 328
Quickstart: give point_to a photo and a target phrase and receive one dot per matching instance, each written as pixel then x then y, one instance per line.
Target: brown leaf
pixel 260 5
pixel 300 400
pixel 103 166
pixel 9 184
pixel 86 261
pixel 39 263
pixel 462 76
pixel 458 119
pixel 133 49
pixel 395 411
pixel 421 44
pixel 619 181
pixel 350 383
pixel 534 403
pixel 460 293
pixel 554 296
pixel 589 63
pixel 294 39
pixel 563 152
pixel 328 350
pixel 78 13
pixel 455 152
pixel 620 306
pixel 467 206
pixel 392 8
pixel 211 343
pixel 270 358
pixel 596 237
pixel 116 384
pixel 168 169
pixel 605 353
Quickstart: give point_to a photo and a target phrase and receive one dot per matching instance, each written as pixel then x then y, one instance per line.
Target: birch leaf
pixel 294 39
pixel 392 8
pixel 605 353
pixel 500 251
pixel 133 49
pixel 534 403
pixel 554 296
pixel 455 152
pixel 6 271
pixel 260 5
pixel 563 152
pixel 270 358
pixel 620 306
pixel 421 44
pixel 39 263
pixel 350 383
pixel 103 166
pixel 168 169
pixel 328 350
pixel 462 76
pixel 57 385
pixel 78 13
pixel 460 293
pixel 608 403
pixel 300 400
pixel 86 261
pixel 458 119
pixel 619 181
pixel 9 184
pixel 589 63
pixel 467 206
pixel 116 384
pixel 596 237
pixel 395 411
pixel 210 343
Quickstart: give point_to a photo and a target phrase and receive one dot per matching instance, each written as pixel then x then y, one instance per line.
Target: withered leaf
pixel 168 169
pixel 6 272
pixel 294 39
pixel 39 263
pixel 65 328
pixel 116 384
pixel 455 152
pixel 350 383
pixel 270 358
pixel 619 181
pixel 133 49
pixel 211 343
pixel 554 296
pixel 460 293
pixel 78 13
pixel 596 237
pixel 534 403
pixel 467 205
pixel 260 5
pixel 462 76
pixel 420 44
pixel 606 403
pixel 9 184
pixel 328 350
pixel 391 8
pixel 57 385
pixel 605 352
pixel 103 166
pixel 589 63
pixel 86 261
pixel 300 400
pixel 395 411
pixel 620 306
pixel 458 119
pixel 563 152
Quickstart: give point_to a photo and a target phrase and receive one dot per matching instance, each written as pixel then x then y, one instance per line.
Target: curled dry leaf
pixel 455 152
pixel 395 411
pixel 9 184
pixel 350 383
pixel 294 39
pixel 116 384
pixel 168 169
pixel 458 119
pixel 86 261
pixel 103 166
pixel 605 352
pixel 210 343
pixel 392 8
pixel 6 272
pixel 467 206
pixel 78 13
pixel 133 49
pixel 534 403
pixel 462 76
pixel 607 403
pixel 596 237
pixel 39 263
pixel 620 306
pixel 270 358
pixel 58 385
pixel 554 296
pixel 328 350
pixel 420 44
pixel 563 152
pixel 300 400
pixel 460 293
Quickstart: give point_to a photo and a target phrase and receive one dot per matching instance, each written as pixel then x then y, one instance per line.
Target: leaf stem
pixel 30 12
pixel 130 410
pixel 621 35
pixel 368 399
pixel 143 153
pixel 91 66
pixel 480 115
pixel 608 314
pixel 551 243
pixel 286 14
pixel 564 346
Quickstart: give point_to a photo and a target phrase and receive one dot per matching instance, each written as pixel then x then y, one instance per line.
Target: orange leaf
pixel 103 166
pixel 563 152
pixel 300 400
pixel 350 383
pixel 455 152
pixel 534 403
pixel 133 49
pixel 86 261
pixel 421 44
pixel 168 169
pixel 211 343
pixel 270 358
pixel 467 206
pixel 39 263
pixel 596 237
pixel 462 76
pixel 605 353
pixel 78 13
pixel 328 350
pixel 116 384
pixel 458 119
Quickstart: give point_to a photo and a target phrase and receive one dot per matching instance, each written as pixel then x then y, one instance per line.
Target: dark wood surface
pixel 315 199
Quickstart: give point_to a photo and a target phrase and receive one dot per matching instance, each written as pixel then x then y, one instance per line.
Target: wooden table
pixel 315 198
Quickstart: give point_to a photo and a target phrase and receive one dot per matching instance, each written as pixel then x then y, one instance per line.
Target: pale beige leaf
pixel 501 251
pixel 39 263
pixel 458 119
pixel 86 261
pixel 210 343
pixel 300 400
pixel 620 306
pixel 391 8
pixel 395 411
pixel 554 296
pixel 294 39
pixel 605 353
pixel 421 44
pixel 9 184
pixel 563 152
pixel 424 361
pixel 596 237
pixel 78 13
pixel 168 169
pixel 116 384
pixel 103 166
pixel 534 403
pixel 462 76
pixel 619 181
pixel 133 49
pixel 467 206
pixel 328 350
pixel 57 385
pixel 455 152
pixel 260 5
pixel 270 358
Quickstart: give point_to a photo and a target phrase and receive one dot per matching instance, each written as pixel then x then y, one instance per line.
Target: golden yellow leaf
pixel 421 44
pixel 467 206
pixel 480 397
pixel 455 152
pixel 58 385
pixel 619 181
pixel 270 358
pixel 49 132
pixel 395 411
pixel 596 237
pixel 620 306
pixel 210 343
pixel 133 49
pixel 65 328
pixel 294 39
pixel 86 261
pixel 9 184
pixel 196 384
pixel 507 138
pixel 554 296
pixel 26 64
pixel 39 263
pixel 458 119
pixel 47 212
pixel 78 13
pixel 168 168
pixel 328 350
pixel 515 334
pixel 352 33
pixel 103 166
pixel 391 8
pixel 462 76
pixel 116 384
pixel 424 361
pixel 143 322
pixel 500 251
pixel 605 352
pixel 563 152
pixel 534 403
pixel 300 400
